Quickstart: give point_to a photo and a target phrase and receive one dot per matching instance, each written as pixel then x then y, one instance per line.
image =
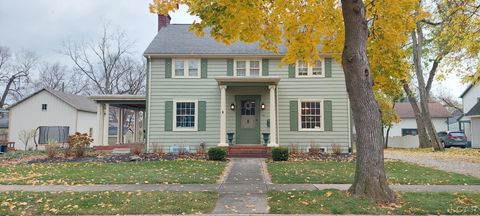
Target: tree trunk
pixel 370 181
pixel 417 41
pixel 386 136
pixel 422 132
pixel 6 90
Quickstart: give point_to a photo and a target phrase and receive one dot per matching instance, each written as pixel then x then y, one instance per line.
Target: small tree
pixel 25 136
pixel 78 143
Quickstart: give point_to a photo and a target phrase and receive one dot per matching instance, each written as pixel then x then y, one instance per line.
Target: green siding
pixel 206 89
pixel 168 68
pixel 293 115
pixel 327 106
pixel 264 67
pixel 204 69
pixel 229 67
pixel 328 67
pixel 202 115
pixel 168 115
pixel 291 71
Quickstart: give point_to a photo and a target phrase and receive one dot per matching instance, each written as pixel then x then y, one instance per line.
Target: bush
pixel 137 149
pixel 280 154
pixel 336 149
pixel 52 148
pixel 78 143
pixel 217 153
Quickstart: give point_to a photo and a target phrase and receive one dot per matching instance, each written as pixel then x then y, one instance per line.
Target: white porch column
pixel 120 126
pixel 273 119
pixel 106 121
pixel 223 116
pixel 99 134
pixel 136 126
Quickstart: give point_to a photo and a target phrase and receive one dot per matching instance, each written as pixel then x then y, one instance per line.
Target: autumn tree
pixel 14 73
pixel 363 36
pixel 107 63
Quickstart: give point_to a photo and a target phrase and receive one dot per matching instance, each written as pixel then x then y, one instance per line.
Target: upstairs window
pixel 44 107
pixel 249 68
pixel 186 68
pixel 315 70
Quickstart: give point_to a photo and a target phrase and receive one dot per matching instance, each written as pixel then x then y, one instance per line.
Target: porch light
pixel 262 106
pixel 232 106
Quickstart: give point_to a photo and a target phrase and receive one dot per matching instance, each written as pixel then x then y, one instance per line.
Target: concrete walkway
pixel 244 190
pixel 228 188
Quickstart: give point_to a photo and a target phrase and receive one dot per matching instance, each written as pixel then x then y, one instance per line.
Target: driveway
pixel 450 165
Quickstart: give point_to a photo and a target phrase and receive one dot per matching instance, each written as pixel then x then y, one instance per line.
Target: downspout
pixel 147 104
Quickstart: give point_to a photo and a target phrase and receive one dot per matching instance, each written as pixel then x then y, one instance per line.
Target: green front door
pixel 248 119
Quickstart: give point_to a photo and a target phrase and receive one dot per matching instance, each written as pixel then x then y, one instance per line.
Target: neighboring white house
pixel 408 124
pixel 53 115
pixel 471 108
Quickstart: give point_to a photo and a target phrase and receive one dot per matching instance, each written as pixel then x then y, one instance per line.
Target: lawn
pixel 339 202
pixel 331 172
pixel 111 203
pixel 163 172
pixel 456 154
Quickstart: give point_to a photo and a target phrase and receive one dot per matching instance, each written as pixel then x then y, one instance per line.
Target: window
pixel 44 106
pixel 315 70
pixel 409 132
pixel 186 68
pixel 248 68
pixel 185 115
pixel 311 117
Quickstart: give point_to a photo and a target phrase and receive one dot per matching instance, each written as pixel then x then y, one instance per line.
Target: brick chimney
pixel 163 21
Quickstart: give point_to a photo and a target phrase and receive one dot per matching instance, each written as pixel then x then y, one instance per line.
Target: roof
pixel 437 110
pixel 466 90
pixel 475 110
pixel 78 102
pixel 176 39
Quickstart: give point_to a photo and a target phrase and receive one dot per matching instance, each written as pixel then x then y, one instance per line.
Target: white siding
pixel 85 121
pixel 440 124
pixel 29 115
pixel 471 98
pixel 475 132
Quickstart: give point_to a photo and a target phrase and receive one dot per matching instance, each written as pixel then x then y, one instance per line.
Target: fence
pixel 403 142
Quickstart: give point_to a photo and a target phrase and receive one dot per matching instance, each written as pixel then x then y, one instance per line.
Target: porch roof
pixel 250 81
pixel 135 102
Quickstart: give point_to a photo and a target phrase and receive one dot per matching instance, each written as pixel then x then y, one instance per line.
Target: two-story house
pixel 203 91
pixel 471 108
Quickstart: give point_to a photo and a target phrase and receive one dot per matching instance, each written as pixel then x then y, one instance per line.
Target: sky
pixel 43 25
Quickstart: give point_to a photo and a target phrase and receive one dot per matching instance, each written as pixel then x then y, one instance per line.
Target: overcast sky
pixel 42 25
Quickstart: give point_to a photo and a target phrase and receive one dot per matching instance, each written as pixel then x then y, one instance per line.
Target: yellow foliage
pixel 309 28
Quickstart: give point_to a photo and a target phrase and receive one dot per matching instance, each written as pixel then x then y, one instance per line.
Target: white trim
pixel 322 115
pixel 247 67
pixel 148 102
pixel 186 74
pixel 174 128
pixel 310 70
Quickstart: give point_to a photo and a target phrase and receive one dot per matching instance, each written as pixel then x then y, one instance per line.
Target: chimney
pixel 163 21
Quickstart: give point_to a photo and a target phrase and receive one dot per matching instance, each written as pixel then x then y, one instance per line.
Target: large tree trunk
pixel 417 41
pixel 370 181
pixel 422 132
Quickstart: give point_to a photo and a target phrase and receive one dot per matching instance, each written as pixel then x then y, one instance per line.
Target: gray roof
pixel 76 101
pixel 475 110
pixel 176 39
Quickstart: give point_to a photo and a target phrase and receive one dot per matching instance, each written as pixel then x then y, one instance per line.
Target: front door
pixel 248 119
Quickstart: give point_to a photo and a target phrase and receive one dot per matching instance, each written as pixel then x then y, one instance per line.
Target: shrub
pixel 280 154
pixel 336 149
pixel 314 149
pixel 217 153
pixel 78 143
pixel 137 149
pixel 157 149
pixel 52 148
pixel 294 149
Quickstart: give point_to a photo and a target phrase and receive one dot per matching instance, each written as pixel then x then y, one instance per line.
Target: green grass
pixel 178 171
pixel 339 202
pixel 343 172
pixel 111 203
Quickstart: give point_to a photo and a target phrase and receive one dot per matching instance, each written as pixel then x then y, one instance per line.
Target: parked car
pixel 453 138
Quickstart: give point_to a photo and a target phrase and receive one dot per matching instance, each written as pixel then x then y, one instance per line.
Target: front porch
pixel 248 111
pixel 120 120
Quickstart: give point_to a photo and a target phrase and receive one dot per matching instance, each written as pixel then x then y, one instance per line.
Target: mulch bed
pixel 344 157
pixel 107 158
